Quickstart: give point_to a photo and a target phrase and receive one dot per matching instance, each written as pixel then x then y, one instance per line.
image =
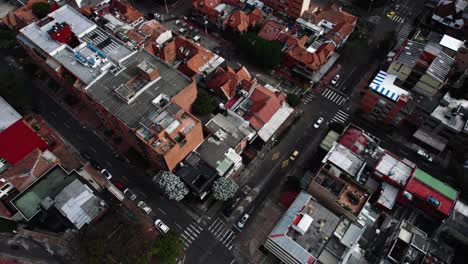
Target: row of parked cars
pixel 159 224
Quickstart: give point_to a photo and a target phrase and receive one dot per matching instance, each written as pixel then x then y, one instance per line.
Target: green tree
pixel 224 189
pixel 204 104
pixel 41 9
pixel 262 52
pixel 166 249
pixel 293 100
pixel 7 39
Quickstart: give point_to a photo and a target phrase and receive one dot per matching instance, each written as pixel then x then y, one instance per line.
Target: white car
pixel 319 122
pixel 130 194
pixel 144 207
pixel 106 174
pixel 243 221
pixel 294 155
pixel 335 79
pixel 425 155
pixel 161 226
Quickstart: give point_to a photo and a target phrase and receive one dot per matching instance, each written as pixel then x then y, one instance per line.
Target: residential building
pixel 189 57
pixel 451 13
pixel 288 8
pixel 264 107
pixel 385 102
pixel 197 175
pixel 58 190
pixel 333 186
pixel 405 243
pixel 124 86
pixel 21 16
pixel 429 194
pixel 241 20
pixel 227 81
pixel 446 125
pixel 422 67
pixel 309 233
pixel 216 12
pixel 169 132
pixel 219 156
pixel 231 129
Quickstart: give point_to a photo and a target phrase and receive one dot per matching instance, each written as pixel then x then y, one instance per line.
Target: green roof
pixel 436 184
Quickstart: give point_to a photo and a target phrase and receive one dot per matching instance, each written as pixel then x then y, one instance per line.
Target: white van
pixel 196 38
pixel 182 30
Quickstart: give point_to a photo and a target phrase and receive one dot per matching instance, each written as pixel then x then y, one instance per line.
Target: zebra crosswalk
pixel 190 233
pixel 334 96
pixel 397 19
pixel 222 233
pixel 340 117
pixel 308 98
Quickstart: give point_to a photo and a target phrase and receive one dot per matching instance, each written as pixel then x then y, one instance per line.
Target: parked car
pixel 319 122
pixel 144 207
pixel 335 79
pixel 425 155
pixel 294 155
pixel 95 164
pixel 243 221
pixel 130 194
pixel 161 226
pixel 86 155
pixel 106 174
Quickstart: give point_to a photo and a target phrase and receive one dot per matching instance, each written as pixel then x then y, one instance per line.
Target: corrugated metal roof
pixel 440 66
pixel 411 53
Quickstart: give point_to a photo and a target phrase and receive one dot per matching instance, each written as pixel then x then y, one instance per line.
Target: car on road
pixel 335 79
pixel 132 196
pixel 106 174
pixel 144 207
pixel 319 122
pixel 243 221
pixel 391 14
pixel 161 226
pixel 294 155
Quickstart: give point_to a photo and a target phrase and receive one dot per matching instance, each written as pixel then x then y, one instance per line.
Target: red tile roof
pixel 194 54
pixel 22 16
pixel 271 30
pixel 28 169
pixel 265 103
pixel 238 21
pixel 226 80
pixel 18 140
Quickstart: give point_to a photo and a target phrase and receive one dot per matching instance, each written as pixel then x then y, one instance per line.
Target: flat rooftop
pixel 8 115
pixel 445 112
pixel 50 185
pixel 196 174
pixel 345 159
pixel 38 32
pixel 170 83
pixel 393 168
pixel 306 247
pixel 384 84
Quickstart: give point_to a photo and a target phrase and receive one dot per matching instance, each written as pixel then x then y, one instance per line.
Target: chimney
pixel 149 71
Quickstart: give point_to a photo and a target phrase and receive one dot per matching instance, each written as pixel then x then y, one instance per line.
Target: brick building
pixel 289 8
pixel 121 84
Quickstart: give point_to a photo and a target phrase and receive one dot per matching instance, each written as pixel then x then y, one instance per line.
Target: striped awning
pixel 383 84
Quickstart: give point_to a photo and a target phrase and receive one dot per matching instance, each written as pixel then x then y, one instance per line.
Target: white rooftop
pixel 383 84
pixel 8 115
pixel 275 122
pixel 79 24
pixel 345 159
pixel 451 43
pixel 444 112
pixel 394 168
pixel 388 195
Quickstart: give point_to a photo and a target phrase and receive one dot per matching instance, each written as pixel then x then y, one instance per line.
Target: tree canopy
pixel 262 52
pixel 293 100
pixel 166 248
pixel 204 104
pixel 224 189
pixel 172 186
pixel 40 9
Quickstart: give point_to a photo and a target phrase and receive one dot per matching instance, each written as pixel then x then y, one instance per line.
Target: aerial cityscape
pixel 234 131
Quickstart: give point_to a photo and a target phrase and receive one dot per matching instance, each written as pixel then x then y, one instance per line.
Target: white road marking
pixel 110 165
pixel 178 226
pixel 93 149
pixel 66 125
pixel 162 211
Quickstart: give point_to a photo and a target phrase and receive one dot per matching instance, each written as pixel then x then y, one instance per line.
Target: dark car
pixel 86 155
pixel 96 165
